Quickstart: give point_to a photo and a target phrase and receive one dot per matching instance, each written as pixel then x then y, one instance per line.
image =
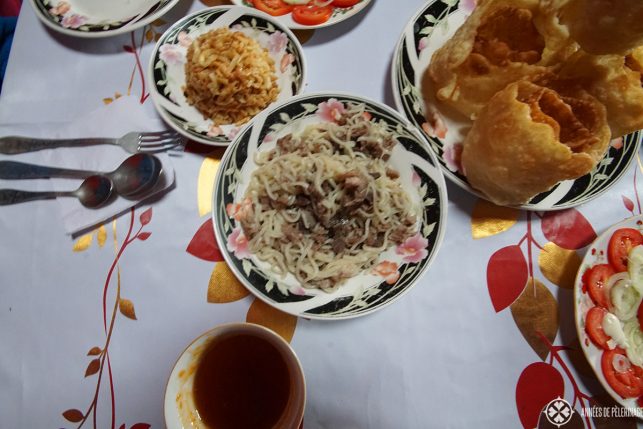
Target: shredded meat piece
pixel 284 143
pixel 399 234
pixel 355 190
pixel 375 240
pixel 392 174
pixel 292 233
pixel 338 245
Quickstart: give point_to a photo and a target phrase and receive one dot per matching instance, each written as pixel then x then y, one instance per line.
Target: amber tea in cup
pixel 236 376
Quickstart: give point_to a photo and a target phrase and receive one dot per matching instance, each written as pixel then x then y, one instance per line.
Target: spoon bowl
pixel 95 191
pixel 136 174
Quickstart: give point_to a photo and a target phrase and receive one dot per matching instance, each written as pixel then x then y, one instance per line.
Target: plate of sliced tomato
pixel 307 14
pixel 608 297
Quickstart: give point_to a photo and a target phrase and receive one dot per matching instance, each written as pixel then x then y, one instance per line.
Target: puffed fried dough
pixel 500 42
pixel 528 138
pixel 616 81
pixel 605 26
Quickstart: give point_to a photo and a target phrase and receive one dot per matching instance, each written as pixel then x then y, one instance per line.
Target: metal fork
pixel 150 142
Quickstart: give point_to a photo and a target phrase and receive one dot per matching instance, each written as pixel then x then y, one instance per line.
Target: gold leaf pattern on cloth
pixel 84 242
pixel 559 265
pixel 127 308
pixel 101 235
pixel 282 323
pixel 224 286
pixel 488 219
pixel 205 185
pixel 536 311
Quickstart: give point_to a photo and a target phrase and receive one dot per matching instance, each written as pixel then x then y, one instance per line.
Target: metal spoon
pixel 135 175
pixel 92 193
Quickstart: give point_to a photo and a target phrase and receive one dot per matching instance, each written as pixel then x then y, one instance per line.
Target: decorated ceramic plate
pixel 167 66
pixel 604 295
pixel 99 18
pixel 426 32
pixel 392 270
pixel 336 11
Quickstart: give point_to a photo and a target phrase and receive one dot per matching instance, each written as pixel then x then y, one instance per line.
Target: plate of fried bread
pixel 519 111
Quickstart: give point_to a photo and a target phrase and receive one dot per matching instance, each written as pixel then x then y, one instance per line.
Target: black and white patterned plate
pixel 426 32
pixel 166 71
pixel 396 270
pixel 91 19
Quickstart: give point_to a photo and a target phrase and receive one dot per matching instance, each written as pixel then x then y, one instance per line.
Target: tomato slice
pixel 594 280
pixel 273 7
pixel 594 327
pixel 621 242
pixel 345 3
pixel 312 15
pixel 627 383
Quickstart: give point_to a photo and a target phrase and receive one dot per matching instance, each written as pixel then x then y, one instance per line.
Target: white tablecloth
pixel 439 357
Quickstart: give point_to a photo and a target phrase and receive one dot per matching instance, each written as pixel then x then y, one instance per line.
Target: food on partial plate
pixel 528 138
pixel 614 321
pixel 615 80
pixel 605 26
pixel 501 42
pixel 229 77
pixel 305 12
pixel 324 203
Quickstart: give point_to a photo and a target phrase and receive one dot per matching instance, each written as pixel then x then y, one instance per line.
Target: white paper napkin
pixel 114 120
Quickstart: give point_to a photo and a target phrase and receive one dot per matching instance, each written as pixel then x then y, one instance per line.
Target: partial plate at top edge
pixel 94 20
pixel 339 15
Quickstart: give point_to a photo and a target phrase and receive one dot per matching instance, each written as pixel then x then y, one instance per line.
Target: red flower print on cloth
pixel 238 243
pixel 413 249
pixel 388 270
pixel 331 110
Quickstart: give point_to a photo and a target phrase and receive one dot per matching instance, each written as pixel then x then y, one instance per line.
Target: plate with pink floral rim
pixel 99 18
pixel 394 271
pixel 166 69
pixel 588 314
pixel 433 24
pixel 339 14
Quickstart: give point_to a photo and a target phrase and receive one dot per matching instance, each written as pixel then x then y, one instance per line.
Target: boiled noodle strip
pixel 325 203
